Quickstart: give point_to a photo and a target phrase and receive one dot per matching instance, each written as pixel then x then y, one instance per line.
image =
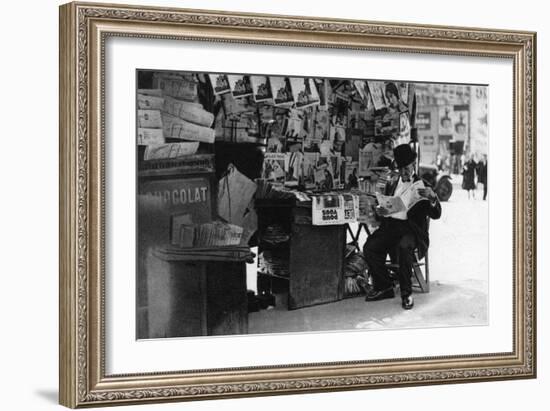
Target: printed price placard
pixel 334 209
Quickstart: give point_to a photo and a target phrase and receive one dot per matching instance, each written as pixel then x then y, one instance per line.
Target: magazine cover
pixel 261 89
pixel 293 168
pixel 274 167
pixel 304 92
pixel 240 85
pixel 220 83
pixel 309 162
pixel 377 92
pixel 282 91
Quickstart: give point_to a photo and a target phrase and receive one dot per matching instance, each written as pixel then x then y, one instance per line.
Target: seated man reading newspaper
pixel 404 212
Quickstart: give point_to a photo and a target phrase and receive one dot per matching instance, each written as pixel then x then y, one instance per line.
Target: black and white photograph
pixel 229 242
pixel 253 201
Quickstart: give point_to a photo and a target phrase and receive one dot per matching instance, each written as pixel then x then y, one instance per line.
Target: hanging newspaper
pixel 235 191
pixel 304 92
pixel 404 129
pixel 363 90
pixel 240 85
pixel 220 83
pixel 369 156
pixel 322 90
pixel 376 90
pixel 261 89
pixel 334 209
pixel 274 167
pixel 281 90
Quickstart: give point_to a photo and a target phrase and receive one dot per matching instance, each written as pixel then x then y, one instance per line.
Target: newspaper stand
pixel 315 254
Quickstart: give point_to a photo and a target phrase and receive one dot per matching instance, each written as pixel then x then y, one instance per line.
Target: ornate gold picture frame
pixel 84 30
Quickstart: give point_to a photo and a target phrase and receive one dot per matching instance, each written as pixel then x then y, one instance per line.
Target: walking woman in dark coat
pixel 468 177
pixel 482 174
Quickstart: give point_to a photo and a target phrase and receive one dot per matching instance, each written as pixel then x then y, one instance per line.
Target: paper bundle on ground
pixel 334 209
pixel 175 127
pixel 150 136
pixel 191 112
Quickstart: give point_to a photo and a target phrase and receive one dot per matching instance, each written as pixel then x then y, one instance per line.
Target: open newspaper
pixel 403 202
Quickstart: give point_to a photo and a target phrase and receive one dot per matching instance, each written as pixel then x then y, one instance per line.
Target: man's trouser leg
pixel 375 251
pixel 405 256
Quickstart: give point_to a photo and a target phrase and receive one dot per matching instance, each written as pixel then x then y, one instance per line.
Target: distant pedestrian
pixel 468 177
pixel 482 174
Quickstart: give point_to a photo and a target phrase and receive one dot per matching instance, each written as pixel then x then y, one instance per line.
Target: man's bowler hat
pixel 404 155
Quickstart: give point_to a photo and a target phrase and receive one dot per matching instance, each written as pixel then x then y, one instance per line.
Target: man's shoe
pixel 407 302
pixel 376 295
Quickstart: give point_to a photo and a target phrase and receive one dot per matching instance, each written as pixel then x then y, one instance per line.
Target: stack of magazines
pixel 215 234
pixel 274 262
pixel 150 103
pixel 183 117
pixel 275 234
pixel 272 190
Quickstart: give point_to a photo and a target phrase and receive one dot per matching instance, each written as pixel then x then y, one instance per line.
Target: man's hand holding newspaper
pixel 388 205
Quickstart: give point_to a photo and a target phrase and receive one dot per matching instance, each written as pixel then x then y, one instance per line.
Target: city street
pixel 460 242
pixel 458 278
